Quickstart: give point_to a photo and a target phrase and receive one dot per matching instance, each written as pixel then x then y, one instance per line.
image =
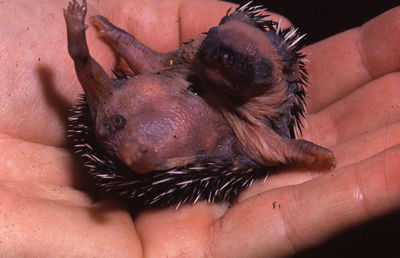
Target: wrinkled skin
pixel 45 206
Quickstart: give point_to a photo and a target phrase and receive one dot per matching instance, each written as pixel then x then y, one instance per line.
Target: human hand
pixel 45 210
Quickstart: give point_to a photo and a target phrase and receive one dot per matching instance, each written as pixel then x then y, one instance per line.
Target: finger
pixel 41 220
pixel 32 162
pixel 366 145
pixel 285 220
pixel 367 109
pixel 340 64
pixel 171 231
pixel 165 27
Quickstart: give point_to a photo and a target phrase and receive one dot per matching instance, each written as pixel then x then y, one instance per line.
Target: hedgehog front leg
pixel 94 80
pixel 267 148
pixel 140 58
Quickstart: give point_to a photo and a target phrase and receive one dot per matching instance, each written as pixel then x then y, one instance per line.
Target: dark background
pixel 321 19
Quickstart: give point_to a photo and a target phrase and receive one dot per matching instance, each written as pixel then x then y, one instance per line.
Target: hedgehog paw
pixel 75 16
pixel 105 28
pixel 311 155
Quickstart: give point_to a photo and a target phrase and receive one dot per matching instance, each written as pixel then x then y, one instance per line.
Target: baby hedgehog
pixel 201 122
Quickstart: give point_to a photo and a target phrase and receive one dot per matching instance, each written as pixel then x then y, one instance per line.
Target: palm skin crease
pixel 39 178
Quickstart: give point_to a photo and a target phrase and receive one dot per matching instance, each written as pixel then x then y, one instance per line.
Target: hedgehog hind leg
pixel 139 57
pixel 310 155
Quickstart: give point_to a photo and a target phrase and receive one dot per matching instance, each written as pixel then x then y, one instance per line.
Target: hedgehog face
pixel 239 60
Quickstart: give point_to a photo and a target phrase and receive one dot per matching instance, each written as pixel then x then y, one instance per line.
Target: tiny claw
pixel 99 22
pixel 75 4
pixel 84 6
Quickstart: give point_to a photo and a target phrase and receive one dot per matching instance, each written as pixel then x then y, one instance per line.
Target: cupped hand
pixel 354 110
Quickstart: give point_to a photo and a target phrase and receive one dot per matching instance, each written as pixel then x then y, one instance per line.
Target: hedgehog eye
pixel 118 121
pixel 224 55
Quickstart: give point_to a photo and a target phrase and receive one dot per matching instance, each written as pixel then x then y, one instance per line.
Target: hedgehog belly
pixel 207 178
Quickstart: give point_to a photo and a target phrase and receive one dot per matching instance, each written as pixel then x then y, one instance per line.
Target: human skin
pixel 47 206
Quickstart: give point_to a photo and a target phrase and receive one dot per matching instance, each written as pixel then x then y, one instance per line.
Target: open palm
pixel 45 208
